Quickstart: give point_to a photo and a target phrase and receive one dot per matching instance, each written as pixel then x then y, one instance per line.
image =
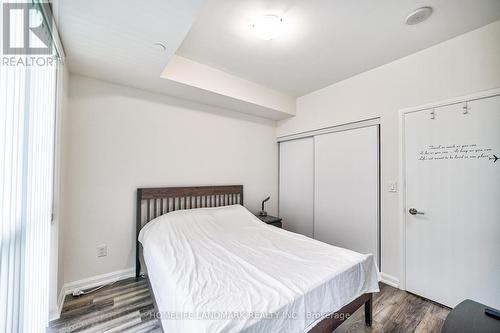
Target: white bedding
pixel 223 270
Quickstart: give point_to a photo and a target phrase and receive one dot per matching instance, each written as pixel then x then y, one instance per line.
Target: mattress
pixel 223 270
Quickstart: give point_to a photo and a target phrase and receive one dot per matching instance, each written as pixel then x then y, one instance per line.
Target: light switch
pixel 393 187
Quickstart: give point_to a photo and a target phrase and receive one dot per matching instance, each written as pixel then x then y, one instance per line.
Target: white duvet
pixel 223 270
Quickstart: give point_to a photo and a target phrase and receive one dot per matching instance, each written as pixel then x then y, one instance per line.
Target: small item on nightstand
pixel 263 211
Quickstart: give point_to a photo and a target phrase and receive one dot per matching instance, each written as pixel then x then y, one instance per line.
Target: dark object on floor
pixel 470 317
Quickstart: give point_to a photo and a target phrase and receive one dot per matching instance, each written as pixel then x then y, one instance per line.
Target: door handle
pixel 413 211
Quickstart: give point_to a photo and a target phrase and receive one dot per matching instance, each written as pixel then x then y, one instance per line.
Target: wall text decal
pixel 456 152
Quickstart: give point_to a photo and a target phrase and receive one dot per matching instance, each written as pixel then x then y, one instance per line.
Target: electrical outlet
pixel 102 250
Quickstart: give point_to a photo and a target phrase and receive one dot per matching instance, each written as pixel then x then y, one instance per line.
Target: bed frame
pixel 153 202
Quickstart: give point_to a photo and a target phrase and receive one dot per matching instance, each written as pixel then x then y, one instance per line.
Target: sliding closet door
pixel 297 185
pixel 346 189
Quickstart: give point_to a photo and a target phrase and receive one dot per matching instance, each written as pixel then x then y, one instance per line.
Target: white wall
pixel 119 139
pixel 466 64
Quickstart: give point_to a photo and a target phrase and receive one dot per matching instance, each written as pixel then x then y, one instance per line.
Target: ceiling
pixel 326 40
pixel 114 39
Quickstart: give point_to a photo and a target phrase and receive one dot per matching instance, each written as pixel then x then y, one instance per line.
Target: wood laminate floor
pixel 397 311
pixel 126 306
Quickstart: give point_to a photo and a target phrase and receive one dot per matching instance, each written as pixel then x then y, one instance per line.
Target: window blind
pixel 27 133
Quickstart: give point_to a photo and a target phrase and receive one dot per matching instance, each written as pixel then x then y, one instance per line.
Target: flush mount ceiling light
pixel 419 15
pixel 268 27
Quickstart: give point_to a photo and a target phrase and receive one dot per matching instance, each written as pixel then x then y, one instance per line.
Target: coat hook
pixel 433 114
pixel 465 108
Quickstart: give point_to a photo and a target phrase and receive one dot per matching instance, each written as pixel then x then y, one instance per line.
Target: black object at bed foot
pixel 470 316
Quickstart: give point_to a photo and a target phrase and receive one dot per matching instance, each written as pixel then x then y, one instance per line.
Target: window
pixel 27 133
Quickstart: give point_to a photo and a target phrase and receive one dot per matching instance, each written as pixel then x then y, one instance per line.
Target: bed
pixel 214 267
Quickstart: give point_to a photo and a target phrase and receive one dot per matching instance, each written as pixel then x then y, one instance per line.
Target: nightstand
pixel 269 219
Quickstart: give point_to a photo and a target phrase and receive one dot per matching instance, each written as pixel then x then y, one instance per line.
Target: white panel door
pixel 346 189
pixel 296 184
pixel 452 182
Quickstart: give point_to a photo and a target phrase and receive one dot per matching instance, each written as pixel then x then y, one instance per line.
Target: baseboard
pixel 88 283
pixel 390 280
pixel 98 280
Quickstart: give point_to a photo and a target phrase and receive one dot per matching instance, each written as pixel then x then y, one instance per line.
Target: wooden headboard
pixel 156 201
